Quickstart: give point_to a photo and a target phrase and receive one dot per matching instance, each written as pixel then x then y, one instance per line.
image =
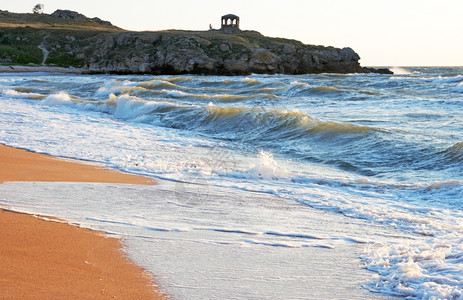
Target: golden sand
pixel 23 165
pixel 54 260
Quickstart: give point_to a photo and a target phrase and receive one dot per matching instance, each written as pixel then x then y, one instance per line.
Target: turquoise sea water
pixel 278 174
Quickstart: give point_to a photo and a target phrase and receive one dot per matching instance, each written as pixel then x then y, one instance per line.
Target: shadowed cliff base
pixel 96 46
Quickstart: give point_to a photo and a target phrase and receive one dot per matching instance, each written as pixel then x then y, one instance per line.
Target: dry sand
pixel 54 260
pixel 23 165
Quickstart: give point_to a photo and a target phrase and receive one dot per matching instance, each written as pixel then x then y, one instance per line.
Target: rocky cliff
pixel 212 52
pixel 112 50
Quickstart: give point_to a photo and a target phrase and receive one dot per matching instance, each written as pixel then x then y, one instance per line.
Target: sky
pixel 383 33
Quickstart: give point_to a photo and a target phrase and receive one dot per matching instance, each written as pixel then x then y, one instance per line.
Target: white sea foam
pixel 400 71
pixel 115 87
pixel 452 79
pixel 296 88
pixel 266 167
pixel 427 270
pixel 252 81
pixel 9 93
pixel 57 99
pixel 263 168
pixel 12 94
pixel 130 107
pixel 459 88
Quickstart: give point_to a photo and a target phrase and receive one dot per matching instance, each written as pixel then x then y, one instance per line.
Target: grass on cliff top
pixel 45 21
pixel 247 38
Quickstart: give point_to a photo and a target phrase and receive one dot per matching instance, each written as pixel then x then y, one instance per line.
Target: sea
pixel 321 186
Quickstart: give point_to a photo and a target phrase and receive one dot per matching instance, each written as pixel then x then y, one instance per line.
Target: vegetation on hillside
pixel 20 46
pixel 22 34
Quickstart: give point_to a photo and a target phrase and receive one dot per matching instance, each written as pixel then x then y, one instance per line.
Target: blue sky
pixel 383 33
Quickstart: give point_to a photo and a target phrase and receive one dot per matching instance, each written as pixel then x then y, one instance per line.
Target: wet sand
pixel 43 259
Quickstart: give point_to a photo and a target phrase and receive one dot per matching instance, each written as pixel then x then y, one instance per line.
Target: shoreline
pixel 47 69
pixel 79 71
pixel 44 257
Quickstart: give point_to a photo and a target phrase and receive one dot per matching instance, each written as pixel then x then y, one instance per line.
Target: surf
pixel 383 151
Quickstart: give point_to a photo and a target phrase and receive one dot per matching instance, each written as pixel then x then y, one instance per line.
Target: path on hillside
pixel 44 50
pixel 45 53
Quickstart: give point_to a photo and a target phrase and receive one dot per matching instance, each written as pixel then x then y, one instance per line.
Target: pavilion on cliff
pixel 230 23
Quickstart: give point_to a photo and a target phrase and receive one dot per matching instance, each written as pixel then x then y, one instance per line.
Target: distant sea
pixel 319 186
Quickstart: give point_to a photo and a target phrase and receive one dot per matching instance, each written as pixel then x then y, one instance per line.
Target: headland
pixel 69 39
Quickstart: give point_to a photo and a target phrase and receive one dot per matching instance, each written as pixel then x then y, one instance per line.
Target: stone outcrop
pixel 212 53
pixel 73 15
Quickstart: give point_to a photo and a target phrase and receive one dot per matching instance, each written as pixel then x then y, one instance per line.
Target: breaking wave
pixel 22 94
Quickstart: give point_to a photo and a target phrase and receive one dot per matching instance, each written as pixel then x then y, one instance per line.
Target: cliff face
pixel 212 53
pixel 112 50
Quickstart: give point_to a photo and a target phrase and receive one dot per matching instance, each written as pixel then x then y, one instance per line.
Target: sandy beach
pixel 23 165
pixel 44 259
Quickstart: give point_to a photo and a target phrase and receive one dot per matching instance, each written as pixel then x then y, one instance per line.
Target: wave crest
pixel 57 99
pixel 455 152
